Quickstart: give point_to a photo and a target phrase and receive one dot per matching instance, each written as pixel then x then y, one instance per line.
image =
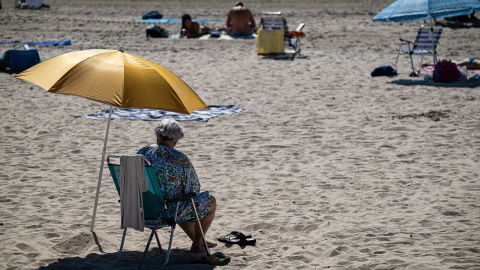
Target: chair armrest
pixel 300 27
pixel 406 40
pixel 184 197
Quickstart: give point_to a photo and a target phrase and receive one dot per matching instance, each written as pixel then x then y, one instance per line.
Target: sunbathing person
pixel 177 176
pixel 191 29
pixel 469 63
pixel 240 21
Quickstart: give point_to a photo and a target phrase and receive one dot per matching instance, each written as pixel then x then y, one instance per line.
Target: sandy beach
pixel 328 167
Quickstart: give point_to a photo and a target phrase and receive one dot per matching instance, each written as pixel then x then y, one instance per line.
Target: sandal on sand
pixel 238 238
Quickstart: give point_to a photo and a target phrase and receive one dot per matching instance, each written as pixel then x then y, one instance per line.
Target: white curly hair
pixel 169 129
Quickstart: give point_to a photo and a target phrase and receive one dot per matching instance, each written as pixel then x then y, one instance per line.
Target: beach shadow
pixel 471 23
pixel 289 57
pixel 179 259
pixel 462 84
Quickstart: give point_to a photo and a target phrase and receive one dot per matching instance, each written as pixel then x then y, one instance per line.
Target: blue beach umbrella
pixel 413 10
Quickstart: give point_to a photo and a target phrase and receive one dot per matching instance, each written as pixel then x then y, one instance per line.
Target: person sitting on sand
pixel 240 21
pixel 177 176
pixel 469 63
pixel 191 29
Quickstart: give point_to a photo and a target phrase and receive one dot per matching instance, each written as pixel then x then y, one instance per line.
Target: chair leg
pixel 121 244
pixel 398 55
pixel 171 233
pixel 420 65
pixel 151 236
pixel 158 242
pixel 200 227
pixel 170 244
pixel 413 67
pixel 297 46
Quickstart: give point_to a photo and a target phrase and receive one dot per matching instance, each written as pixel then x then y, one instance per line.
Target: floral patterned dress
pixel 176 176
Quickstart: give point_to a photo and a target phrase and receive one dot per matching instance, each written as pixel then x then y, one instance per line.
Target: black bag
pixel 384 71
pixel 156 31
pixel 152 15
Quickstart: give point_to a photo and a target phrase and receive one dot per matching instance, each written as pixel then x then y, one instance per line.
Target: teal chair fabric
pixel 152 199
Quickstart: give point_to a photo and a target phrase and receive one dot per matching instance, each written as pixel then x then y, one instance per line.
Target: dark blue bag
pixel 152 15
pixel 384 71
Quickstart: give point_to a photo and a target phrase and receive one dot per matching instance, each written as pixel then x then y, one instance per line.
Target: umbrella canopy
pixel 116 78
pixel 413 10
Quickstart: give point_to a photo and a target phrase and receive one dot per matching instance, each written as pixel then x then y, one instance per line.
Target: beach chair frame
pixel 425 43
pixel 272 21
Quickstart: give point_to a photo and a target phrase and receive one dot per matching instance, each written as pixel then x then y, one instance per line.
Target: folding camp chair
pixel 273 36
pixel 155 208
pixel 15 61
pixel 425 43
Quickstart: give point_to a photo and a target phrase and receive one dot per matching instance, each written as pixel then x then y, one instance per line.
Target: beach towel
pixel 133 182
pixel 175 20
pixel 158 115
pixel 213 37
pixel 46 43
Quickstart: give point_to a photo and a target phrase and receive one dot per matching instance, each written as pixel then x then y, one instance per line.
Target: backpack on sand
pixel 446 71
pixel 156 31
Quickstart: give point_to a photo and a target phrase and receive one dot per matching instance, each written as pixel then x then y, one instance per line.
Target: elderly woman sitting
pixel 177 176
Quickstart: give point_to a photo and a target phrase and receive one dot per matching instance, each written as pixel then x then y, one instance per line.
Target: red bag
pixel 446 71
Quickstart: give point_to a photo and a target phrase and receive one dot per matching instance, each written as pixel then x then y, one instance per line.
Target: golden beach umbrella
pixel 116 78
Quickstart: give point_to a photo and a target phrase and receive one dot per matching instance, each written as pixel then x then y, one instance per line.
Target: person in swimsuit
pixel 191 29
pixel 177 176
pixel 473 63
pixel 240 21
pixel 469 63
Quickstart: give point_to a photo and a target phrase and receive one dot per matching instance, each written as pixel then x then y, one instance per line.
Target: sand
pixel 328 168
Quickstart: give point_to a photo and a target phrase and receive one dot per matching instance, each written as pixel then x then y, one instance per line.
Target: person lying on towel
pixel 469 63
pixel 191 29
pixel 177 176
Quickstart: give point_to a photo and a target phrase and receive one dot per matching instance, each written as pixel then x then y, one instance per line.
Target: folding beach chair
pixel 273 36
pixel 155 208
pixel 425 43
pixel 16 61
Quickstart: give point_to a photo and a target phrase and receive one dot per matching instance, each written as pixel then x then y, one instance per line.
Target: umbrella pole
pixel 101 169
pixel 433 44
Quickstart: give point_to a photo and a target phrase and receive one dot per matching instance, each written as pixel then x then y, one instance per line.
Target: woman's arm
pixel 192 183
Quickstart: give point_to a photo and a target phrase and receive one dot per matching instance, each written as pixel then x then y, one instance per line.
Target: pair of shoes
pixel 238 238
pixel 217 258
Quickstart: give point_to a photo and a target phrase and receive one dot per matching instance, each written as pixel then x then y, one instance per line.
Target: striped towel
pixel 133 182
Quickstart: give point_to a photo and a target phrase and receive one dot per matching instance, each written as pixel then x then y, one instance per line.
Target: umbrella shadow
pixel 130 260
pixel 471 23
pixel 461 84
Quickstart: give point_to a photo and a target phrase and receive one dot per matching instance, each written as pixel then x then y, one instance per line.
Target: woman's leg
pixel 193 232
pixel 189 229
